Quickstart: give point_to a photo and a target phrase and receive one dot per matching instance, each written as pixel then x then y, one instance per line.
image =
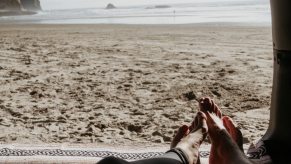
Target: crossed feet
pixel 226 138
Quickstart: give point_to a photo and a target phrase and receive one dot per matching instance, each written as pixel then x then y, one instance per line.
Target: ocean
pixel 239 11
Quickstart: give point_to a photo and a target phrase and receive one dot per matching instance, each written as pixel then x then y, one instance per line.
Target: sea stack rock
pixel 31 5
pixel 110 6
pixel 19 7
pixel 10 5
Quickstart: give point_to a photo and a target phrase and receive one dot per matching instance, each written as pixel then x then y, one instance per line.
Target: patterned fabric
pixel 83 153
pixel 258 153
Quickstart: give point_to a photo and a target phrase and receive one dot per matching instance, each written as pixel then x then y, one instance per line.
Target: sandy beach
pixel 129 84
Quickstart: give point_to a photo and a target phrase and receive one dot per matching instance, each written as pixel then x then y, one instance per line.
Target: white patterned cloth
pixel 63 154
pixel 258 153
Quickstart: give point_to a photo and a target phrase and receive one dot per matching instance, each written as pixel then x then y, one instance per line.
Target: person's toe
pixel 202 122
pixel 217 111
pixel 229 125
pixel 205 105
pixel 212 106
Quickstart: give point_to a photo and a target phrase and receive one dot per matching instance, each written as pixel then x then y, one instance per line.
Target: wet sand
pixel 14 13
pixel 127 84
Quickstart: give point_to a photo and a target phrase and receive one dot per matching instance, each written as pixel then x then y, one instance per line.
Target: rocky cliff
pixel 31 5
pixel 10 5
pixel 20 5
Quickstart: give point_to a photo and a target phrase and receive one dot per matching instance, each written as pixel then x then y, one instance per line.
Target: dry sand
pixel 119 84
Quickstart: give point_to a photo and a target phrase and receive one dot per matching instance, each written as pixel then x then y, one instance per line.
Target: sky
pixel 71 4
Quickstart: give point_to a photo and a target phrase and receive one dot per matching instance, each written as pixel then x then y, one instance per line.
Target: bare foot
pixel 224 135
pixel 189 138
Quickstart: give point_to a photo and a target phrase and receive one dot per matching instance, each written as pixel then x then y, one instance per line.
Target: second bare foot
pixel 189 138
pixel 224 136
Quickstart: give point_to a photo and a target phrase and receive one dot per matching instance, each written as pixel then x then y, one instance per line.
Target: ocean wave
pixel 237 11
